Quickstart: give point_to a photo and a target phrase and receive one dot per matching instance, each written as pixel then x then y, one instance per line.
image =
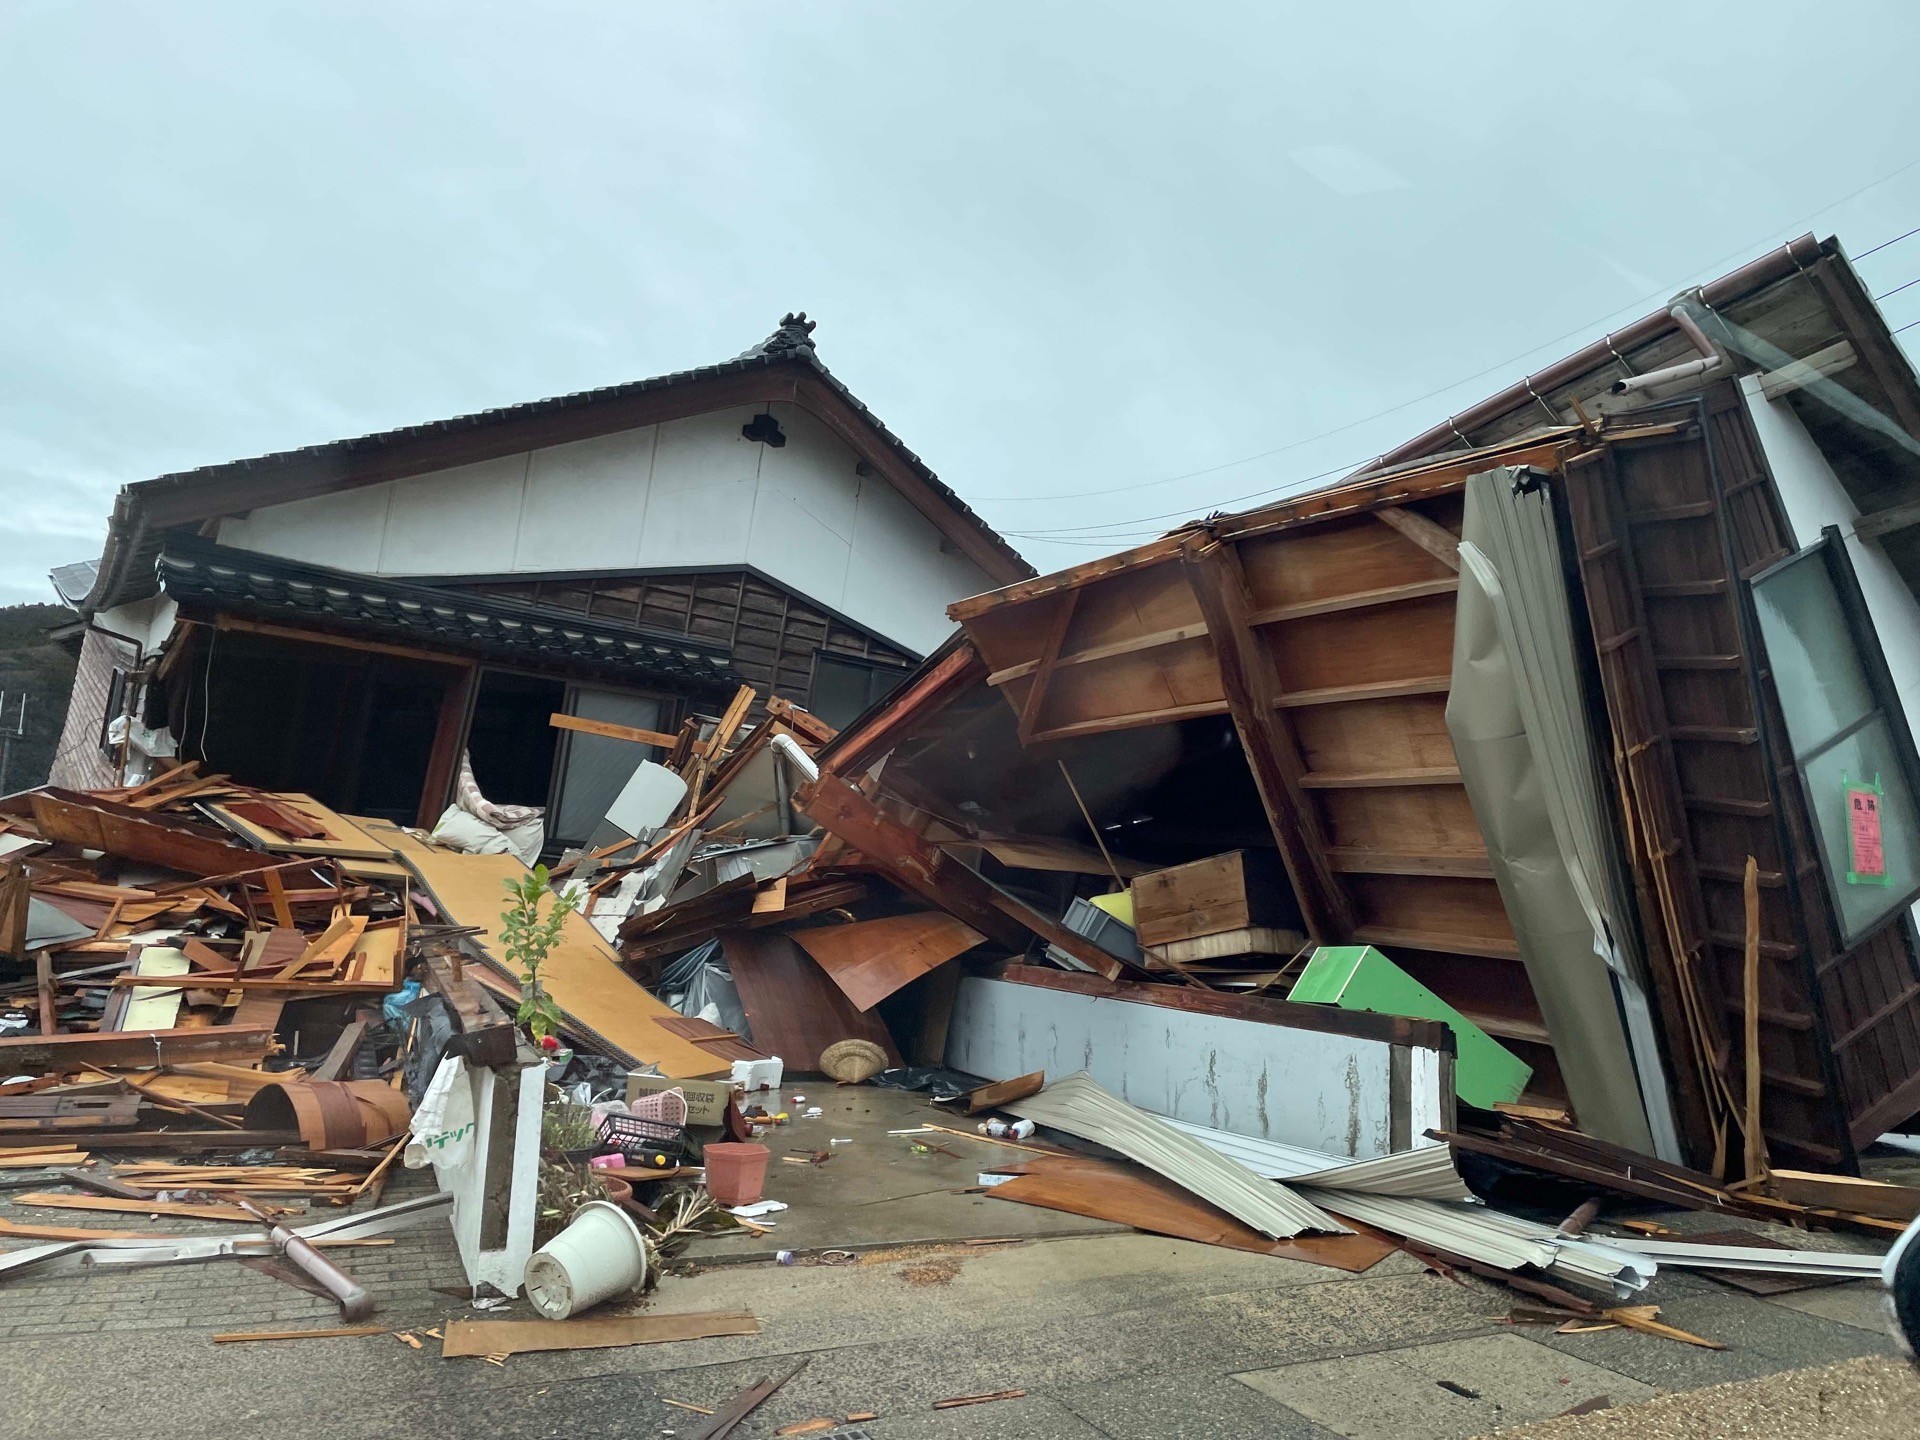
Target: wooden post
pixel 1756 1162
pixel 1253 693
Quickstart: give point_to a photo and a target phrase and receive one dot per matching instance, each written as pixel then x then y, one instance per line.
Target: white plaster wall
pixel 149 621
pixel 690 493
pixel 1814 499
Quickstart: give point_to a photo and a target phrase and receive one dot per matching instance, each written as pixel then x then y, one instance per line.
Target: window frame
pixel 898 671
pixel 1830 550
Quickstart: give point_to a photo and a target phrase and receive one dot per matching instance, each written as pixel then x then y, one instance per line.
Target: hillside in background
pixel 32 666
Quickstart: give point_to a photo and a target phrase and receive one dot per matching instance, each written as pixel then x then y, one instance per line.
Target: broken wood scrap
pixel 1129 1194
pixel 871 959
pixel 794 1010
pixel 238 1337
pixel 745 1403
pixel 181 1209
pixel 514 1337
pixel 999 1092
pixel 922 869
pixel 956 1401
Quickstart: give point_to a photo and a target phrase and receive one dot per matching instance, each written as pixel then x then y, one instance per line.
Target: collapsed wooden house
pixel 1516 708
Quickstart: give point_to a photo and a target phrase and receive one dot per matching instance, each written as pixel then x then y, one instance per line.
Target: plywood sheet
pixel 796 1012
pixel 870 959
pixel 345 838
pixel 582 974
pixel 1129 1194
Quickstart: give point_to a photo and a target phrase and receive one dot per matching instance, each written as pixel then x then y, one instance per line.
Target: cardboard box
pixel 706 1099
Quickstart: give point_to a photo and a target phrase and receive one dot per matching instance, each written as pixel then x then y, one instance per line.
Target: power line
pixel 1908 326
pixel 1500 365
pixel 1185 510
pixel 1898 288
pixel 1908 235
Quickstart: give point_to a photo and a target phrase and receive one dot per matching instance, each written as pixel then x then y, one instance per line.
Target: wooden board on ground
pixel 1129 1194
pixel 583 973
pixel 870 959
pixel 795 1011
pixel 593 1332
pixel 1845 1192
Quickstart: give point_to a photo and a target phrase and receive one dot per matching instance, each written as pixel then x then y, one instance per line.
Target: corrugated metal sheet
pixel 1426 1173
pixel 1080 1107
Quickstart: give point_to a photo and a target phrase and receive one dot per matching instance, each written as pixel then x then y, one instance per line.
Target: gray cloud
pixel 1059 248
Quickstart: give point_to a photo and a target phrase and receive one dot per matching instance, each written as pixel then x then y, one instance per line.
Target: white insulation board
pixel 1330 1093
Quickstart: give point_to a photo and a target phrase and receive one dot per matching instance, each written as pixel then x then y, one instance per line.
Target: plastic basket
pixel 651 1144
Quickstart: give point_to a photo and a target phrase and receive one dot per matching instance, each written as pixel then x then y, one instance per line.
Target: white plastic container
pixel 600 1254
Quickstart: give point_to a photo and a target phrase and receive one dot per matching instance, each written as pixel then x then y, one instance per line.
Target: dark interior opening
pixel 510 742
pixel 352 729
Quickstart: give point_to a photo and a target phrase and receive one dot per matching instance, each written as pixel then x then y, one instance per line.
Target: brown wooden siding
pixel 1670 531
pixel 774 633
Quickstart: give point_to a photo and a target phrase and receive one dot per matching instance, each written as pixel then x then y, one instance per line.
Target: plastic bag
pixel 443 1123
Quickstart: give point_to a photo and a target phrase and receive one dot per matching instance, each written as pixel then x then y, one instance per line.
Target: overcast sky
pixel 1062 249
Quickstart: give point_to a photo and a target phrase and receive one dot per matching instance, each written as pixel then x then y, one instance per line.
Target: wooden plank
pixel 87 820
pixel 1798 374
pixel 1036 696
pixel 343 840
pixel 1380 779
pixel 1436 540
pixel 1130 1194
pixel 946 675
pixel 920 868
pixel 1323 1019
pixel 1349 861
pixel 793 1008
pixel 1373 690
pixel 582 974
pixel 1253 694
pixel 1165 715
pixel 225 621
pixel 1359 599
pixel 611 731
pixel 237 1337
pixel 592 1332
pixel 1844 1192
pixel 1130 645
pixel 1000 1092
pixel 38 1054
pixel 180 1208
pixel 870 959
pixel 1882 523
pixel 1387 937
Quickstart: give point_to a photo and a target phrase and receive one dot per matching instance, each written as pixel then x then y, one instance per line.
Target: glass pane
pixel 597 767
pixel 1863 757
pixel 1815 667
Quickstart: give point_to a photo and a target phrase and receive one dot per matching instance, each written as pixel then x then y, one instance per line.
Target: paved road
pixel 1117 1335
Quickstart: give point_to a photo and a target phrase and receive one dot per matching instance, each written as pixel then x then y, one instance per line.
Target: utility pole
pixel 7 737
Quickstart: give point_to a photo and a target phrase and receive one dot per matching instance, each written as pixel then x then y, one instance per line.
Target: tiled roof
pixel 130 547
pixel 196 571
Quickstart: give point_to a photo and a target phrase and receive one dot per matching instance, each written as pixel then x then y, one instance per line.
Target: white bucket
pixel 599 1255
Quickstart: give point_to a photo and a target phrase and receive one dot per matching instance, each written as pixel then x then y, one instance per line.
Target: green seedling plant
pixel 529 936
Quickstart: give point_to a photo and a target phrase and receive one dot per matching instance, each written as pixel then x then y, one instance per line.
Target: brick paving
pixel 227 1294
